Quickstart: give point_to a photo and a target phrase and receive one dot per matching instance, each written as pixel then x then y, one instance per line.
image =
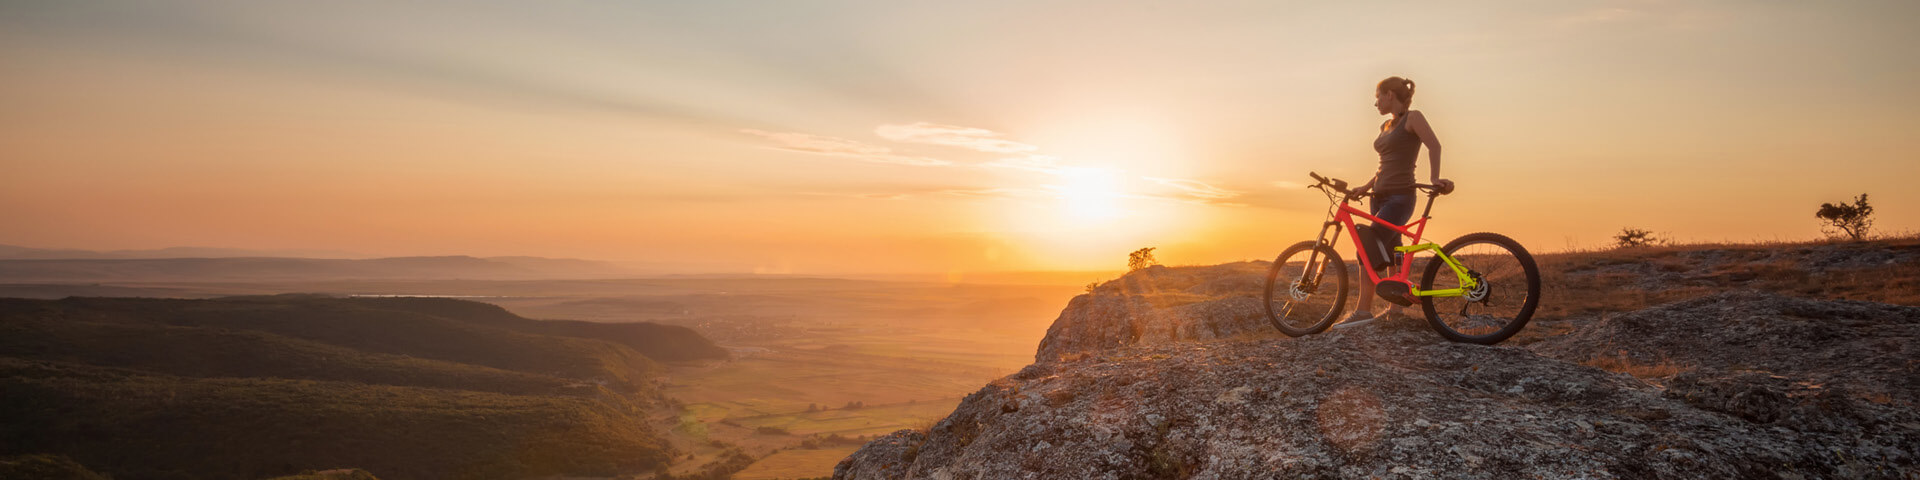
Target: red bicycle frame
pixel 1344 216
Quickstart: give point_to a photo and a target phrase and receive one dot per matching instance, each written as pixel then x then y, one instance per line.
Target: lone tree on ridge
pixel 1141 258
pixel 1634 237
pixel 1855 219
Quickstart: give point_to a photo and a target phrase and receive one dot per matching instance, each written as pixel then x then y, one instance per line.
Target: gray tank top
pixel 1398 149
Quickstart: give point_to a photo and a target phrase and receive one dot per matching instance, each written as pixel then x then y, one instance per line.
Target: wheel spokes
pixel 1490 265
pixel 1302 295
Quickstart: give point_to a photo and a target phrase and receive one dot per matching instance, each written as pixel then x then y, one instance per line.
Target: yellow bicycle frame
pixel 1466 281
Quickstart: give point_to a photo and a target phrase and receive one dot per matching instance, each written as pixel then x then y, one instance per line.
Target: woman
pixel 1392 186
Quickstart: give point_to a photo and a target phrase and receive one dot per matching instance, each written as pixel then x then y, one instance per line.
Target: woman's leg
pixel 1363 308
pixel 1398 209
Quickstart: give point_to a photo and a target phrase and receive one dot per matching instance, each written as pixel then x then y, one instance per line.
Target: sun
pixel 1090 220
pixel 1091 195
pixel 1093 204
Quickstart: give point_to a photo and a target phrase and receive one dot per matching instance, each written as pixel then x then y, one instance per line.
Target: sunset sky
pixel 821 137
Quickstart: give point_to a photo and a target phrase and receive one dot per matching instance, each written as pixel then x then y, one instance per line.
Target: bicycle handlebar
pixel 1337 184
pixel 1340 186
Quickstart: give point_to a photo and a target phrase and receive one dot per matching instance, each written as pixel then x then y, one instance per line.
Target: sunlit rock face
pixel 1393 400
pixel 1159 305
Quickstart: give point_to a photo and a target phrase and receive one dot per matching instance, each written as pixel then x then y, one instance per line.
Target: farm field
pixel 792 464
pixel 900 361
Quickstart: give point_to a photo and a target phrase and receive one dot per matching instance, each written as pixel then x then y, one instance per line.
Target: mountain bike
pixel 1480 288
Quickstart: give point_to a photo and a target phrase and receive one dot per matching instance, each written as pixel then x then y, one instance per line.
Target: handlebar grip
pixel 1317 176
pixel 1434 188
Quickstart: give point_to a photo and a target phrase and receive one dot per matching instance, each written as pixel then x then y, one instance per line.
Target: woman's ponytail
pixel 1402 89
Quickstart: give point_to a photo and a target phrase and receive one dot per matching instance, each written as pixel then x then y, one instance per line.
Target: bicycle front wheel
pixel 1306 288
pixel 1506 289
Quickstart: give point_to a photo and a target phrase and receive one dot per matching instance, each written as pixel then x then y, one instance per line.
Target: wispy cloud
pixel 866 196
pixel 840 147
pixel 994 192
pixel 881 192
pixel 1195 188
pixel 1033 163
pixel 1180 190
pixel 978 139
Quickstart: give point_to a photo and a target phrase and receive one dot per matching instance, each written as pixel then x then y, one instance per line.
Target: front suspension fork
pixel 1313 282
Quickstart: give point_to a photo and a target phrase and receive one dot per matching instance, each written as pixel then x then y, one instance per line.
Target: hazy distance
pixel 875 137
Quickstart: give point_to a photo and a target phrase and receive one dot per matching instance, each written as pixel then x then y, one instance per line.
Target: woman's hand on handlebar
pixel 1445 186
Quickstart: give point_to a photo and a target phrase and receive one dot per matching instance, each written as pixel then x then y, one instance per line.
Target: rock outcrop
pixel 1840 367
pixel 1130 385
pixel 1159 305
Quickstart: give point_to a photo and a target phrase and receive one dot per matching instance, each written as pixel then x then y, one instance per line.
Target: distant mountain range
pixel 27 265
pixel 12 252
pixel 38 265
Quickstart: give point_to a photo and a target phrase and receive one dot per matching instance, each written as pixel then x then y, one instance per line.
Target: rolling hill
pixel 401 387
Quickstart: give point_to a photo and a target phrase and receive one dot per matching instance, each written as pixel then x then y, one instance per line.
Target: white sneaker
pixel 1391 314
pixel 1356 320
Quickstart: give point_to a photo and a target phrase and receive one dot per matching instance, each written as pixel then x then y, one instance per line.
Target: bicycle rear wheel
pixel 1498 306
pixel 1300 300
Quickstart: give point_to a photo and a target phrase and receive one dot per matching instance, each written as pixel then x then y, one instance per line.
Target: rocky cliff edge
pixel 1172 373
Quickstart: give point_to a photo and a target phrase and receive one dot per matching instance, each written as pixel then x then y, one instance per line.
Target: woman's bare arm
pixel 1417 122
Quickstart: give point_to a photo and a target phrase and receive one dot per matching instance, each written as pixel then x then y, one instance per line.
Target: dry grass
pixel 1598 282
pixel 924 425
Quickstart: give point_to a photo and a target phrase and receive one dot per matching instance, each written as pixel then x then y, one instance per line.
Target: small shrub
pixel 924 425
pixel 1634 237
pixel 1852 219
pixel 732 460
pixel 1141 258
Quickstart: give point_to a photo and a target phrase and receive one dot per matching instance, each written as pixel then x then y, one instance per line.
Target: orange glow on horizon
pixel 817 144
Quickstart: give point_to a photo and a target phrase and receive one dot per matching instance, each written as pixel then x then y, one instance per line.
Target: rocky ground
pixel 1838 367
pixel 1169 373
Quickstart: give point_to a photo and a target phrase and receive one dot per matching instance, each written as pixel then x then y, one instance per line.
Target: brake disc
pixel 1480 288
pixel 1297 293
